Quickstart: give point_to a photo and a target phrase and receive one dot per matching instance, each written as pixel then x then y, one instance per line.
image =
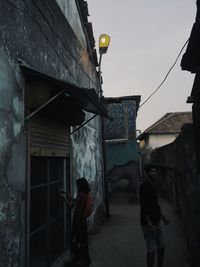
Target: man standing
pixel 151 217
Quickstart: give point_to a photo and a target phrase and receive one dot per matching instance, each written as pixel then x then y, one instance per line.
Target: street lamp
pixel 104 41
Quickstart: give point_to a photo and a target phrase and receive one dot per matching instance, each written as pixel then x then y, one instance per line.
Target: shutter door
pixel 49 138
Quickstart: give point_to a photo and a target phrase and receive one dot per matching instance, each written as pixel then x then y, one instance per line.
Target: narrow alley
pixel 120 242
pixel 75 133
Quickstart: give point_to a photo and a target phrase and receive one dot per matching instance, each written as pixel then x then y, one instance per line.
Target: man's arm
pixel 144 204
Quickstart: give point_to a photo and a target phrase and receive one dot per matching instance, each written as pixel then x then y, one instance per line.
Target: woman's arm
pixel 69 200
pixel 166 221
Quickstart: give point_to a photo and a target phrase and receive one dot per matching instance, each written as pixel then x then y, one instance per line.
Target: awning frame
pixel 79 127
pixel 45 104
pixel 87 99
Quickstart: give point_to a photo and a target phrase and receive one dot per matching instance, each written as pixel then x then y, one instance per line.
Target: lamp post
pixel 104 41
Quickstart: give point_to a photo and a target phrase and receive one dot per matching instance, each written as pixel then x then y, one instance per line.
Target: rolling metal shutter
pixel 49 138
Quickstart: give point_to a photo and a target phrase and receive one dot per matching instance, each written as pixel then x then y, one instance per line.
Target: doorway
pixel 49 217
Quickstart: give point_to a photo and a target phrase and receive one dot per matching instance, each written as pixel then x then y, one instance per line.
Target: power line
pixel 159 86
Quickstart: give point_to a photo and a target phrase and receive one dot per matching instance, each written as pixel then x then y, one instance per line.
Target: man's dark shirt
pixel 149 204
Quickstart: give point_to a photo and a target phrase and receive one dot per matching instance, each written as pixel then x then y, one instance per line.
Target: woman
pixel 79 242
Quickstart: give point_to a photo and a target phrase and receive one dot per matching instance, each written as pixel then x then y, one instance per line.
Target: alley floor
pixel 119 241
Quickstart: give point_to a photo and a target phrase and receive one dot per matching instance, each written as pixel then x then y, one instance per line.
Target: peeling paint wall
pixel 122 151
pixel 38 33
pixel 69 9
pixel 87 157
pixel 57 50
pixel 12 164
pixel 121 145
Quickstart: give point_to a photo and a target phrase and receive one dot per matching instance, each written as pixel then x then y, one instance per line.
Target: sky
pixel 146 37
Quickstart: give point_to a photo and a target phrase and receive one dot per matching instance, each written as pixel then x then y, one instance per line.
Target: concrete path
pixel 120 243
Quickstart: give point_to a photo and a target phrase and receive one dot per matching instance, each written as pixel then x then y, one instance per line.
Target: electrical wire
pixel 159 86
pixel 76 59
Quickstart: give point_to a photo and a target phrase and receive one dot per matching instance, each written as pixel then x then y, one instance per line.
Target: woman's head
pixel 83 185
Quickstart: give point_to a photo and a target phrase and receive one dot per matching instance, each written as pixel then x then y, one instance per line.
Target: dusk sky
pixel 146 37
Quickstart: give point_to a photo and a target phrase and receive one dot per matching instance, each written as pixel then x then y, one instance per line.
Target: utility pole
pixel 104 41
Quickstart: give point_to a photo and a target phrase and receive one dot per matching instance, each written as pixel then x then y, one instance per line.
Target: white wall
pixel 158 140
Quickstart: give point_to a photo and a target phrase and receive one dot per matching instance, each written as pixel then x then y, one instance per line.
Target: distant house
pixel 164 131
pixel 121 143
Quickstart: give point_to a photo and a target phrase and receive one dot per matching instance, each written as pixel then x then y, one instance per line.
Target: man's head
pixel 152 173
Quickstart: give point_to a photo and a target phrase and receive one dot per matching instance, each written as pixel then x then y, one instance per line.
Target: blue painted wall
pixel 121 153
pixel 120 134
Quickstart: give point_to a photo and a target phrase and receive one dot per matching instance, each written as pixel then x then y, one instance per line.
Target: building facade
pixel 121 146
pixel 164 131
pixel 48 87
pixel 191 62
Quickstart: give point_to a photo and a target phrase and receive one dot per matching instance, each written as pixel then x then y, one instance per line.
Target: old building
pixel 121 146
pixel 164 131
pixel 191 62
pixel 48 86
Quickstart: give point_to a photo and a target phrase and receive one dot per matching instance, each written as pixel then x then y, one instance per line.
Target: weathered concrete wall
pixel 120 153
pixel 12 165
pixel 38 33
pixel 69 8
pixel 123 125
pixel 116 129
pixel 123 183
pixel 180 183
pixel 122 150
pixel 121 145
pixel 88 163
pixel 56 49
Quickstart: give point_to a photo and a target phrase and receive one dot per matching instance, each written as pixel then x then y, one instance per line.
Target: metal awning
pixel 86 99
